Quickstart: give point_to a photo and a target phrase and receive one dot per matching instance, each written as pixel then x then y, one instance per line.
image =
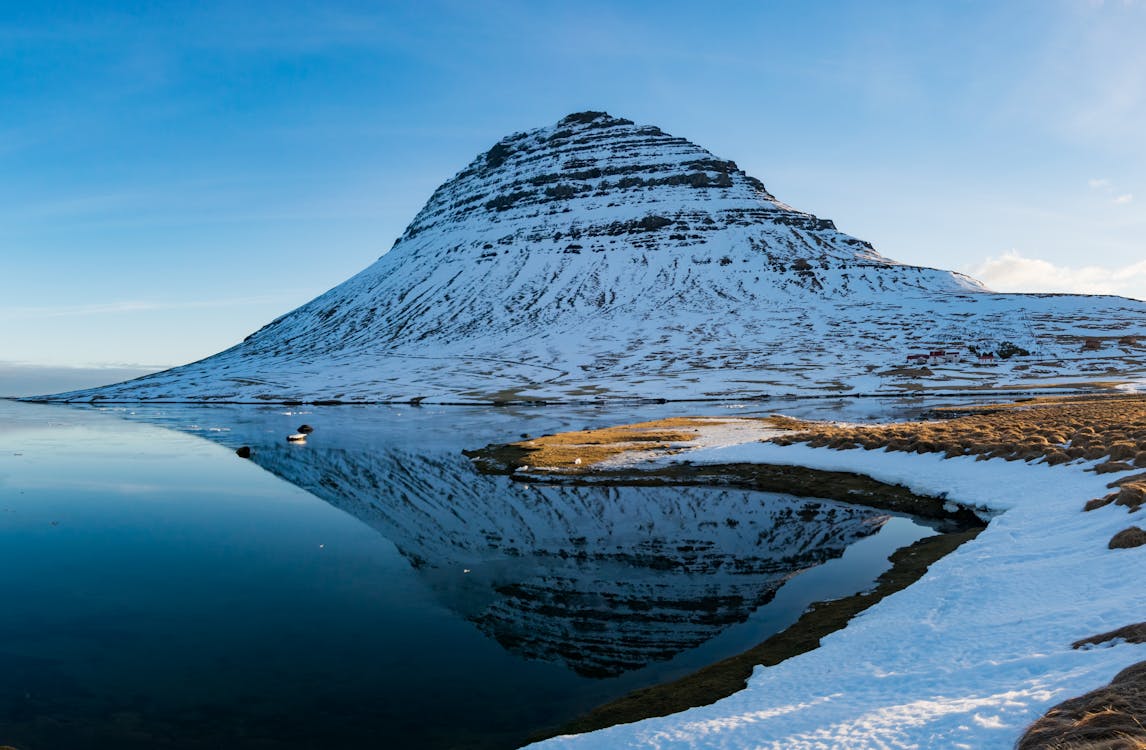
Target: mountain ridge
pixel 599 258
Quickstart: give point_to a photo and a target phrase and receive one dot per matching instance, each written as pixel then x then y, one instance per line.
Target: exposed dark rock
pixel 653 223
pixel 1128 538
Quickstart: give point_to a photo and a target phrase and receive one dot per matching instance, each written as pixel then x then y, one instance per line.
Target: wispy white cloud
pixel 1013 272
pixel 1106 187
pixel 24 379
pixel 11 365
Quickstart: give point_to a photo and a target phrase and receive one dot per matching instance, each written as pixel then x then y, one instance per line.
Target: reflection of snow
pixel 604 579
pixel 966 657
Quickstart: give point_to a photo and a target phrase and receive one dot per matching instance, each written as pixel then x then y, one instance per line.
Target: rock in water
pixel 598 258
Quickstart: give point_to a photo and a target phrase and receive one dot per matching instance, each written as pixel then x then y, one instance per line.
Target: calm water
pixel 369 589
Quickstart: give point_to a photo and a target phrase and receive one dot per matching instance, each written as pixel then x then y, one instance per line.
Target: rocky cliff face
pixel 597 257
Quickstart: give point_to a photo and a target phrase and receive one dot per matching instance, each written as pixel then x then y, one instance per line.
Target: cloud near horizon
pixel 1107 188
pixel 1013 272
pixel 19 379
pixel 129 306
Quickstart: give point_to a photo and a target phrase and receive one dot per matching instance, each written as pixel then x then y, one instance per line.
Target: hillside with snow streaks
pixel 599 258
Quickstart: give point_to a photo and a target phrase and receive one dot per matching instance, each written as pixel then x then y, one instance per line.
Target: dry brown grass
pixel 1135 633
pixel 1110 718
pixel 588 447
pixel 577 451
pixel 1053 429
pixel 1130 493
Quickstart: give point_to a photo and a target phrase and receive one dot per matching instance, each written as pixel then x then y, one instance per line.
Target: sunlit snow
pixel 965 658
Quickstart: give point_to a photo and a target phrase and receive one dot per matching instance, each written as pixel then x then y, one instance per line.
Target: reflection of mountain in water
pixel 605 579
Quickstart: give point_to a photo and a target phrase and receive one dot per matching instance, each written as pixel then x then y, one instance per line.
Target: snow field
pixel 966 657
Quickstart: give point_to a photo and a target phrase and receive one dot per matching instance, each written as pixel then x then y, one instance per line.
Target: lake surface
pixel 369 588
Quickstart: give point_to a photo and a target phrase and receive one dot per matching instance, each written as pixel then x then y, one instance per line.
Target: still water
pixel 368 588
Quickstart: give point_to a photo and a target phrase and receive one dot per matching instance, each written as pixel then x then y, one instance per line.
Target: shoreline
pixel 801 481
pixel 1004 391
pixel 980 647
pixel 730 675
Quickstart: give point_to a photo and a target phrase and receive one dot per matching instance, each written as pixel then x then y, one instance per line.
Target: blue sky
pixel 175 175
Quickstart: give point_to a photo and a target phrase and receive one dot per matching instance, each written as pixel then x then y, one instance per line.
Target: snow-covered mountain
pixel 599 258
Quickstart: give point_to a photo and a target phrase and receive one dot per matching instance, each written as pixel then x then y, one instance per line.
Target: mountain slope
pixel 596 257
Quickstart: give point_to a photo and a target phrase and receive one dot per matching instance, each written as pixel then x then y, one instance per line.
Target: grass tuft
pixel 1110 718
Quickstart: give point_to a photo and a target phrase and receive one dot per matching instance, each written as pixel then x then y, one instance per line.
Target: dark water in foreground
pixel 369 589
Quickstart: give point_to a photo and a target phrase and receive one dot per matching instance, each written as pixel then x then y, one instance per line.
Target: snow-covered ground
pixel 966 657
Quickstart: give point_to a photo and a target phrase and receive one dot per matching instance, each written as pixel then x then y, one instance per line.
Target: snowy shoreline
pixel 968 656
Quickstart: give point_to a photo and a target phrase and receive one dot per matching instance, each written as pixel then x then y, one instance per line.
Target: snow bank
pixel 965 658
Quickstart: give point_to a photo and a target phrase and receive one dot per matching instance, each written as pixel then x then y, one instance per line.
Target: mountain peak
pixel 590 164
pixel 594 118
